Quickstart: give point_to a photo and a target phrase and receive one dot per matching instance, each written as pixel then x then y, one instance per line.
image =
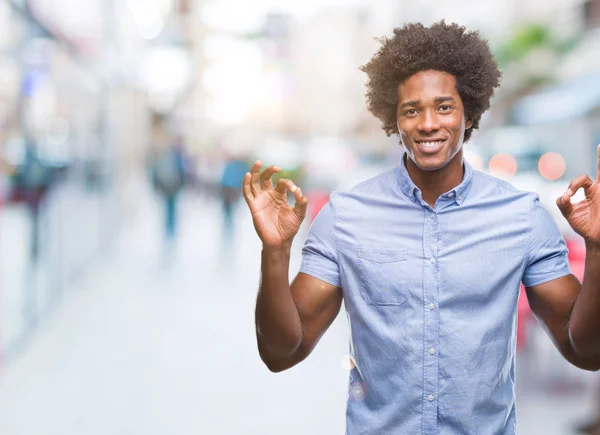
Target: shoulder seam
pixel 371 180
pixel 529 229
pixel 335 228
pixel 498 182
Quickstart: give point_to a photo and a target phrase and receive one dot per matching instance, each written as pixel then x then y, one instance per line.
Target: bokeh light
pixel 552 166
pixel 348 362
pixel 357 391
pixel 503 166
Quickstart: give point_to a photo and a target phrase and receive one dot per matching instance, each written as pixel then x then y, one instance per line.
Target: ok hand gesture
pixel 584 217
pixel 276 223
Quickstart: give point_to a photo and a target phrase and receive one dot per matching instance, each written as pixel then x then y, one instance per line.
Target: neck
pixel 434 183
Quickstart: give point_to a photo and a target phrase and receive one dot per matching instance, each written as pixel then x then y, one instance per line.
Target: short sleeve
pixel 319 254
pixel 547 253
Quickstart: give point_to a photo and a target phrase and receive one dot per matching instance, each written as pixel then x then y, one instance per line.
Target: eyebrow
pixel 436 100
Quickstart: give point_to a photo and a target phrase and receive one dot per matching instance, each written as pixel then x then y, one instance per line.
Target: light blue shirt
pixel 431 298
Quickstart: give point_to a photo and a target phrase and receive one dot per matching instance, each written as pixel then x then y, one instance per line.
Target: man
pixel 428 258
pixel 233 173
pixel 168 178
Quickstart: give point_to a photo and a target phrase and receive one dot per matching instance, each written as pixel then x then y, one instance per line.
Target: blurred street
pixel 129 265
pixel 144 348
pixel 147 346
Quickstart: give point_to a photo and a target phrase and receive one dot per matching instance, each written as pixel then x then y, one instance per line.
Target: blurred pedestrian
pixel 234 171
pixel 168 177
pixel 428 258
pixel 33 179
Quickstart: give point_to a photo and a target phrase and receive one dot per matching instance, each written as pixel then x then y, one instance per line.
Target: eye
pixel 410 112
pixel 445 107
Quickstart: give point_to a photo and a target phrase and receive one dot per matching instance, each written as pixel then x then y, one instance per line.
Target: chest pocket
pixel 382 275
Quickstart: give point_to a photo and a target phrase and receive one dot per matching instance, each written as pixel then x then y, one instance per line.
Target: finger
pixel 246 190
pixel 254 186
pixel 564 204
pixel 598 172
pixel 265 178
pixel 564 201
pixel 583 181
pixel 283 184
pixel 301 203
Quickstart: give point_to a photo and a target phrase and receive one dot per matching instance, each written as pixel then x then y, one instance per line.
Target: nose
pixel 429 121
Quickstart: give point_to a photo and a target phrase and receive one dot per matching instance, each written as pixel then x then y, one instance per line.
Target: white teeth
pixel 431 144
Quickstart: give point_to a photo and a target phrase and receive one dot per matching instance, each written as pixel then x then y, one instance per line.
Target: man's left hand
pixel 584 216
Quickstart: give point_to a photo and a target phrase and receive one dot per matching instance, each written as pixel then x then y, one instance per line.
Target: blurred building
pixel 80 82
pixel 558 108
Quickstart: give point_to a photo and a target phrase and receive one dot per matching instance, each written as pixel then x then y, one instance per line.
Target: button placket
pixel 430 326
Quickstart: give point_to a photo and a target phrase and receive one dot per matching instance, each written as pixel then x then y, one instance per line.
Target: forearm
pixel 278 325
pixel 584 323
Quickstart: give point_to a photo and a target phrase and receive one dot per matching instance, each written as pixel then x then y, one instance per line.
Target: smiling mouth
pixel 430 143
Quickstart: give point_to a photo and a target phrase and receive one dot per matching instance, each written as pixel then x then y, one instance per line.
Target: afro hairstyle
pixel 442 47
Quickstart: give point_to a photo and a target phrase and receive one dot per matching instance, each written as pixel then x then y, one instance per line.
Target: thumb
pixel 564 205
pixel 301 204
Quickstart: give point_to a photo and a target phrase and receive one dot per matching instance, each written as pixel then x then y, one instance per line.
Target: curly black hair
pixel 442 47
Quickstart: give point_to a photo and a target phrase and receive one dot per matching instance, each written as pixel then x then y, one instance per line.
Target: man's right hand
pixel 276 223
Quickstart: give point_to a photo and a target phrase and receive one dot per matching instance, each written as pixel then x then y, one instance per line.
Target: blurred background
pixel 128 265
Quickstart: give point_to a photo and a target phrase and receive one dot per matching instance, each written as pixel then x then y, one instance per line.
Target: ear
pixel 468 124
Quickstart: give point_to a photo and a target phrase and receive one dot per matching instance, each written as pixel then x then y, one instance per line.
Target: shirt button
pixel 430 397
pixel 460 198
pixel 432 351
pixel 431 306
pixel 432 260
pixel 451 194
pixel 432 215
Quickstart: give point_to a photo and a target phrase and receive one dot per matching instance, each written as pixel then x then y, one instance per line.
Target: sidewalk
pixel 141 349
pixel 70 239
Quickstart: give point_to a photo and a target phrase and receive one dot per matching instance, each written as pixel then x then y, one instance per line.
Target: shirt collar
pixel 458 194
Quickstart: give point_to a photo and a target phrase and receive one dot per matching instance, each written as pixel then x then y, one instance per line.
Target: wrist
pixel 283 248
pixel 592 247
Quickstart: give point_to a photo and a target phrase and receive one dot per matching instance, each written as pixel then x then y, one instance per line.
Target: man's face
pixel 431 119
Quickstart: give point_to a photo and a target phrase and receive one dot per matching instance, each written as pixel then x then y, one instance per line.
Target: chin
pixel 430 164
